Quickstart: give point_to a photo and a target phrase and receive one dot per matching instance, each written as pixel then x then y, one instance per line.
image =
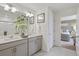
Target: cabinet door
pixel 6 52
pixel 38 44
pixel 21 50
pixel 34 45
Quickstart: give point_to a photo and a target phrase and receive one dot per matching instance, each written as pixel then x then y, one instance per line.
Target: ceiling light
pixel 6 7
pixel 13 9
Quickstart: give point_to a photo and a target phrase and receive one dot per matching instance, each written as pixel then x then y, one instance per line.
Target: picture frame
pixel 31 20
pixel 41 18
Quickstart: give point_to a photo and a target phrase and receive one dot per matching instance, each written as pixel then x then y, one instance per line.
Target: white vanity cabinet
pixel 14 48
pixel 35 44
pixel 21 47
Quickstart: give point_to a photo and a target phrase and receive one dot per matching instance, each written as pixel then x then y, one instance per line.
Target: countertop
pixel 34 35
pixel 7 39
pixel 4 40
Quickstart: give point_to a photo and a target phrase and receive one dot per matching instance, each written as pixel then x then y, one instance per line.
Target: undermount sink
pixel 9 37
pixel 6 39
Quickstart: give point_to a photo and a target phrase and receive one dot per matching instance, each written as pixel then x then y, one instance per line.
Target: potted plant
pixel 21 24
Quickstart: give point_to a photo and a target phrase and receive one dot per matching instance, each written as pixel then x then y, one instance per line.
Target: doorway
pixel 68 32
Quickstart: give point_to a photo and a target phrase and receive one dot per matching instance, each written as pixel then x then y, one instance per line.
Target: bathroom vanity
pixel 12 47
pixel 20 46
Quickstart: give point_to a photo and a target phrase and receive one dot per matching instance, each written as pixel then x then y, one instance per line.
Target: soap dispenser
pixel 5 33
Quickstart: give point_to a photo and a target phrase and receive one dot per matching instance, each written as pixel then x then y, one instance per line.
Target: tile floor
pixel 57 51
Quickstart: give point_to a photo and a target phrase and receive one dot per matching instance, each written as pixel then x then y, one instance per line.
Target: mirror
pixel 8 21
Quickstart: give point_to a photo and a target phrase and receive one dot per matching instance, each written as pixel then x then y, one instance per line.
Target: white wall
pixel 68 12
pixel 9 27
pixel 77 33
pixel 78 21
pixel 57 29
pixel 41 28
pixel 46 29
pixel 50 28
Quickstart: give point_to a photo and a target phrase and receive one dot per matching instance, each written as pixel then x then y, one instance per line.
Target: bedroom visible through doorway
pixel 68 32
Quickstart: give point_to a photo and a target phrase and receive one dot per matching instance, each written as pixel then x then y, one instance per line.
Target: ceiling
pixel 37 6
pixel 54 6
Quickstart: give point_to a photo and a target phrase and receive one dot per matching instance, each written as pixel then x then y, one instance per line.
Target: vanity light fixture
pixel 6 7
pixel 13 9
pixel 29 14
pixel 10 8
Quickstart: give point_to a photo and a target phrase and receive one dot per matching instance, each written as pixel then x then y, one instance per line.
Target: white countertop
pixel 7 39
pixel 33 35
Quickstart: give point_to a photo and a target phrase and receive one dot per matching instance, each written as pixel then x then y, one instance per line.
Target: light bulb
pixel 13 9
pixel 27 14
pixel 6 7
pixel 31 15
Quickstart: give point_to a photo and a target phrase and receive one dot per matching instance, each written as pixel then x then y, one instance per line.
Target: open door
pixel 77 34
